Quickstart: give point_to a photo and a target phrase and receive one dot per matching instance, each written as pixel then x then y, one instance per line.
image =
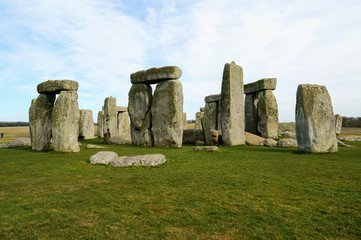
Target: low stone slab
pixel 213 98
pixel 56 86
pixel 119 141
pixel 104 157
pixel 289 134
pixel 148 160
pixel 156 75
pixel 4 145
pixel 253 140
pixel 351 138
pixel 206 149
pixel 287 142
pixel 94 146
pixel 344 144
pixel 260 85
pixel 269 142
pixel 192 135
pixel 19 142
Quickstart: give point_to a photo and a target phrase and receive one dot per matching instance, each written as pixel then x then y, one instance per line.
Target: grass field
pixel 239 193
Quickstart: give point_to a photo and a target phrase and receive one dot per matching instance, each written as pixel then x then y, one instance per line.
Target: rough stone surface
pixel 207 131
pixel 260 85
pixel 198 123
pixel 253 140
pixel 4 145
pixel 122 109
pixel 201 109
pixel 56 86
pixel 287 142
pixel 315 121
pixel 139 104
pixel 289 134
pixel 213 98
pixel 110 117
pixel 40 122
pixel 156 75
pixel 100 124
pixel 94 146
pixel 119 141
pixel 270 142
pixel 232 105
pixel 351 138
pixel 65 122
pixel 206 149
pixel 211 111
pixel 124 127
pixel 86 124
pixel 19 142
pixel 192 135
pixel 199 143
pixel 215 136
pixel 103 157
pixel 344 144
pixel 251 113
pixel 267 109
pixel 338 126
pixel 185 125
pixel 167 114
pixel 150 160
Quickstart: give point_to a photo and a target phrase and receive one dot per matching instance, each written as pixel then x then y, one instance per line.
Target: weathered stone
pixel 65 122
pixel 213 98
pixel 119 141
pixel 167 114
pixel 40 122
pixel 344 145
pixel 287 142
pixel 19 142
pixel 124 127
pixel 86 124
pixel 338 126
pixel 100 124
pixel 251 113
pixel 4 145
pixel 211 111
pixel 56 86
pixel 198 123
pixel 207 131
pixel 156 75
pixel 110 117
pixel 206 149
pixel 253 140
pixel 214 136
pixel 232 105
pixel 90 146
pixel 121 109
pixel 199 143
pixel 289 134
pixel 270 142
pixel 261 85
pixel 150 160
pixel 315 121
pixel 192 135
pixel 139 104
pixel 201 109
pixel 185 124
pixel 103 157
pixel 267 114
pixel 351 138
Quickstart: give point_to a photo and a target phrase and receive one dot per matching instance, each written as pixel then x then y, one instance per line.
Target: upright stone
pixel 338 119
pixel 86 124
pixel 65 122
pixel 100 124
pixel 124 127
pixel 185 126
pixel 232 105
pixel 211 110
pixel 40 121
pixel 251 113
pixel 167 114
pixel 268 114
pixel 110 117
pixel 207 131
pixel 139 104
pixel 315 121
pixel 198 124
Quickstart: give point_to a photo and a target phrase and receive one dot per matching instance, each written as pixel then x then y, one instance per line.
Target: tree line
pixel 13 124
pixel 351 121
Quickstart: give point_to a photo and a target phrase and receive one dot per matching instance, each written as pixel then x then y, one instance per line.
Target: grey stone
pixel 19 142
pixel 150 160
pixel 338 126
pixel 260 85
pixel 167 114
pixel 351 138
pixel 232 105
pixel 289 134
pixel 198 123
pixel 211 112
pixel 86 124
pixel 121 109
pixel 100 124
pixel 65 122
pixel 110 117
pixel 270 142
pixel 214 136
pixel 90 146
pixel 267 114
pixel 315 121
pixel 124 127
pixel 119 141
pixel 103 157
pixel 206 149
pixel 287 142
pixel 56 86
pixel 201 109
pixel 156 75
pixel 207 131
pixel 4 145
pixel 344 145
pixel 253 140
pixel 251 113
pixel 192 135
pixel 199 143
pixel 139 105
pixel 213 98
pixel 40 113
pixel 185 124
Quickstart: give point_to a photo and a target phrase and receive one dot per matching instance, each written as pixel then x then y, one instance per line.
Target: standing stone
pixel 86 124
pixel 251 113
pixel 100 124
pixel 268 114
pixel 167 114
pixel 65 122
pixel 207 131
pixel 40 121
pixel 124 127
pixel 198 124
pixel 211 110
pixel 338 126
pixel 139 104
pixel 110 116
pixel 315 121
pixel 232 105
pixel 185 126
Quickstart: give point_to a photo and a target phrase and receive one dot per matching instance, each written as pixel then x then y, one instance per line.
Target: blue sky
pixel 100 43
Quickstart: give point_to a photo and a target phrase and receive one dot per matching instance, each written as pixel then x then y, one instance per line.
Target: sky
pixel 99 43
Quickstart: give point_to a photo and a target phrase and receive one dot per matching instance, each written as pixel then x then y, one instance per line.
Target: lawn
pixel 239 193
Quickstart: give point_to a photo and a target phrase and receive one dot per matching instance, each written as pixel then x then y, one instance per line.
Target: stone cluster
pixel 261 110
pixel 156 120
pixel 57 122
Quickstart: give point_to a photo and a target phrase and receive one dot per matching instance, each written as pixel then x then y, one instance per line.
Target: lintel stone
pixel 156 75
pixel 122 109
pixel 213 98
pixel 261 85
pixel 56 86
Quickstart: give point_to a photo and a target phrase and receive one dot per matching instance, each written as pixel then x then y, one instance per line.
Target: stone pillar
pixel 65 122
pixel 40 122
pixel 315 121
pixel 124 127
pixel 86 124
pixel 338 126
pixel 110 114
pixel 185 126
pixel 139 104
pixel 211 110
pixel 251 113
pixel 100 124
pixel 232 105
pixel 198 124
pixel 167 114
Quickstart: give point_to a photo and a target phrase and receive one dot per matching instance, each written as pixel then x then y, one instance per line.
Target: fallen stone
pixel 119 141
pixel 200 143
pixel 19 142
pixel 213 98
pixel 269 142
pixel 206 149
pixel 344 144
pixel 289 134
pixel 253 140
pixel 148 160
pixel 4 145
pixel 94 146
pixel 192 135
pixel 103 157
pixel 56 86
pixel 350 138
pixel 156 75
pixel 260 85
pixel 287 142
pixel 86 124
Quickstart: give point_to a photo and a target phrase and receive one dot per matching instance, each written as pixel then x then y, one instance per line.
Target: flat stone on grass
pixel 147 160
pixel 103 157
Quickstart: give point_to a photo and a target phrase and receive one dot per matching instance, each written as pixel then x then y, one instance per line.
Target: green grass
pixel 239 193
